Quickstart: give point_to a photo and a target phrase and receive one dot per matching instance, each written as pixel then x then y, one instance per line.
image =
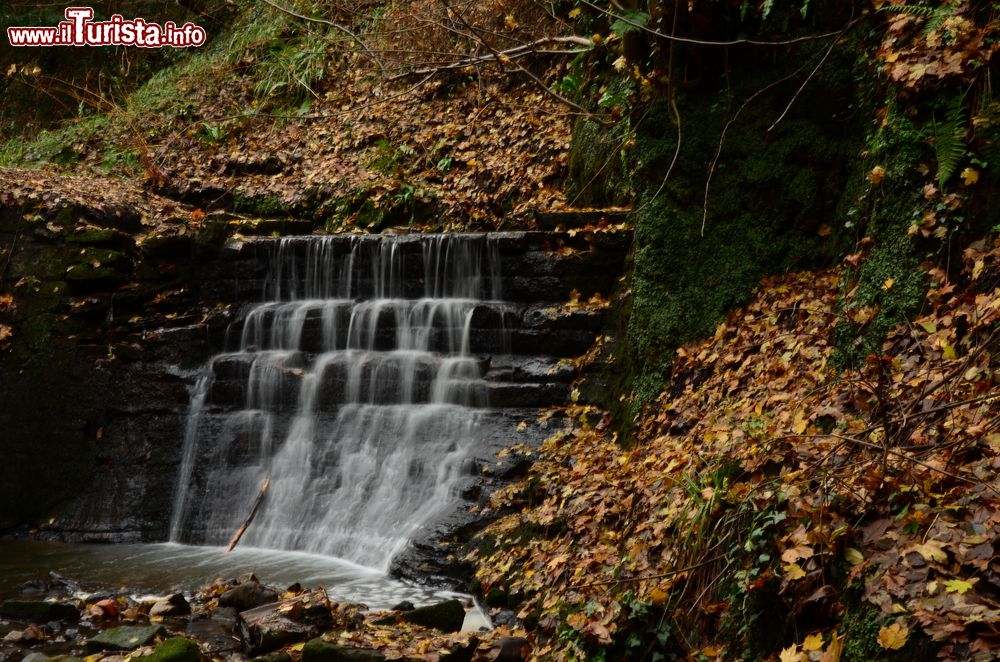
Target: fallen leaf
pixel 893 637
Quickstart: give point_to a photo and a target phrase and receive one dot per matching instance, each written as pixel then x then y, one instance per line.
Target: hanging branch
pixel 500 57
pixel 253 513
pixel 508 54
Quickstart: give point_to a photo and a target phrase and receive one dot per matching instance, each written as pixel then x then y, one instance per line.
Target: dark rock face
pixel 38 611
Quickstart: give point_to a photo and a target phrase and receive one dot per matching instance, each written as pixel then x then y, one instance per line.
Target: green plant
pixel 949 140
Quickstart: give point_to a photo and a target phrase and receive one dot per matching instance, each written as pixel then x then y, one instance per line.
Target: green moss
pixel 175 649
pixel 773 206
pixel 598 164
pixel 260 205
pixel 886 212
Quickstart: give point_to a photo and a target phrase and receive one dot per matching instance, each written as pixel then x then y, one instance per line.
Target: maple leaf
pixel 813 642
pixel 970 176
pixel 792 654
pixel 959 586
pixel 794 571
pixel 893 637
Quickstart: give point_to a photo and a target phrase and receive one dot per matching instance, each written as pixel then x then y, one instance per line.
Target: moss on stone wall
pixel 775 200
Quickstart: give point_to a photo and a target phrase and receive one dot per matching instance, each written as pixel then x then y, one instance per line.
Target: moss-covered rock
pixel 318 650
pixel 125 637
pixel 175 649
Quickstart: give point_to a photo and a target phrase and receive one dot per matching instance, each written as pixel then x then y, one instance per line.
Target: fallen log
pixel 253 513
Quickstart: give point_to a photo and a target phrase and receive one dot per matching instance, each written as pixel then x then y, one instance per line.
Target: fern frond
pixel 913 10
pixel 949 140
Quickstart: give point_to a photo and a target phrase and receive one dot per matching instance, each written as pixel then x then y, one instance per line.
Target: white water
pixel 360 399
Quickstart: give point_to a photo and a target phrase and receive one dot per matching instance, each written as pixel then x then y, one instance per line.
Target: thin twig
pixel 791 102
pixel 722 138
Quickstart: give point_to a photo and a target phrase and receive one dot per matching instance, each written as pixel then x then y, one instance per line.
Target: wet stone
pixel 125 637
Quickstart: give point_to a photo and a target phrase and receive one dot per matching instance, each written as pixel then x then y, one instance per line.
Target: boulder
pixel 125 637
pixel 214 635
pixel 269 627
pixel 248 595
pixel 318 650
pixel 38 611
pixel 509 649
pixel 446 616
pixel 175 605
pixel 175 649
pixel 273 657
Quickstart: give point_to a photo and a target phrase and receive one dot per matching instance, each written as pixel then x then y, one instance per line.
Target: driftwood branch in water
pixel 253 513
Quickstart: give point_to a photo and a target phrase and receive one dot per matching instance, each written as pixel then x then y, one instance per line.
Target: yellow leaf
pixel 960 586
pixel 931 550
pixel 854 556
pixel 658 596
pixel 791 654
pixel 977 269
pixel 893 637
pixel 794 571
pixel 929 327
pixel 800 423
pixel 889 282
pixel 576 11
pixel 970 176
pixel 949 352
pixel 813 642
pixel 296 647
pixel 876 175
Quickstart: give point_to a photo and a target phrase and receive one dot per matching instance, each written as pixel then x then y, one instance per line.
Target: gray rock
pixel 175 605
pixel 125 637
pixel 446 616
pixel 248 595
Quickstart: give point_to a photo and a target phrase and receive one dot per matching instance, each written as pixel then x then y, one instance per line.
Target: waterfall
pixel 353 386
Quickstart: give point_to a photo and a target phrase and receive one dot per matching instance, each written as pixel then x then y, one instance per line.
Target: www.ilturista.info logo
pixel 80 30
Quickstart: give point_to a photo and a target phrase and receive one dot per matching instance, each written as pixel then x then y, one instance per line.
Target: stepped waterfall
pixel 353 386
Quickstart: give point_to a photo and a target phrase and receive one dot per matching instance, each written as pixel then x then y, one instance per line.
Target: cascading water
pixel 353 388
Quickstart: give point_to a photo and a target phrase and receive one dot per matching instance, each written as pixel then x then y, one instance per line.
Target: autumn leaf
pixel 932 550
pixel 813 642
pixel 791 654
pixel 970 176
pixel 877 175
pixel 893 637
pixel 959 586
pixel 794 571
pixel 853 556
